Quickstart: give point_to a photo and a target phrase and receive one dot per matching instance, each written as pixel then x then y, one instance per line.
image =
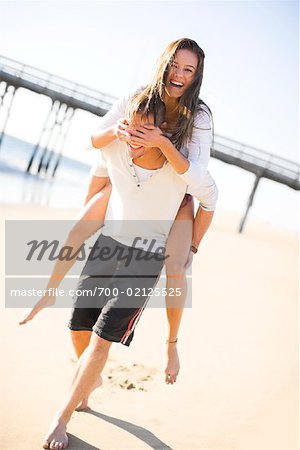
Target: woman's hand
pixel 120 130
pixel 146 135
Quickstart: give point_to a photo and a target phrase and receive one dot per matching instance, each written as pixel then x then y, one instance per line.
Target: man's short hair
pixel 143 106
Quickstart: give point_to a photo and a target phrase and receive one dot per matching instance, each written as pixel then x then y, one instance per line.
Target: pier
pixel 68 96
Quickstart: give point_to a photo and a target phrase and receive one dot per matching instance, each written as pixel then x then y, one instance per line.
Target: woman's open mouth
pixel 176 84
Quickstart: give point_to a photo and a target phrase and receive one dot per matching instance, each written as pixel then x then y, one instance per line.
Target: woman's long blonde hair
pixel 189 103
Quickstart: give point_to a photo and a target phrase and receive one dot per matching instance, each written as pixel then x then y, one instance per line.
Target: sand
pixel 238 344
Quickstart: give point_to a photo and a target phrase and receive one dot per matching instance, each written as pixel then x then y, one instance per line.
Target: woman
pixel 176 85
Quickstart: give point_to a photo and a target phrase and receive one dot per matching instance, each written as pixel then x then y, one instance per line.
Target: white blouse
pixel 197 151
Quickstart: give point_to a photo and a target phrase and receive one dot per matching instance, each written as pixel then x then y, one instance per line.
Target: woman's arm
pixel 179 163
pixel 149 135
pixel 110 125
pixel 103 137
pixel 191 169
pixel 198 151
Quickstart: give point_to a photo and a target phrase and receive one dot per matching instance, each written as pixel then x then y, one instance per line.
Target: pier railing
pixel 68 96
pixel 259 162
pixel 58 88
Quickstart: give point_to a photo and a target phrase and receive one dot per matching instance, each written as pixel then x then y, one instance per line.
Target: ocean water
pixel 66 189
pixel 274 204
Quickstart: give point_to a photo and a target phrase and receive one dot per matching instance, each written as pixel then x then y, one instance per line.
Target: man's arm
pixel 207 194
pixel 202 223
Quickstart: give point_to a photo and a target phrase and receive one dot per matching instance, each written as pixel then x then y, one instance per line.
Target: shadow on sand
pixel 78 444
pixel 139 432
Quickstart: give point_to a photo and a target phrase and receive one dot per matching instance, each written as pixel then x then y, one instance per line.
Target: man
pixel 159 196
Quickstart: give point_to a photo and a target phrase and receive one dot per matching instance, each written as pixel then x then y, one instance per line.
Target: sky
pixel 251 65
pixel 250 72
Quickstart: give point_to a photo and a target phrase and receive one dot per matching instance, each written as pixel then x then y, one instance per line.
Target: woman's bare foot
pixel 83 405
pixel 173 365
pixel 56 438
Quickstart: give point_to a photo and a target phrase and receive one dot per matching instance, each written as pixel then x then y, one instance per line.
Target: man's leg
pixel 115 322
pixel 88 371
pixel 83 317
pixel 81 340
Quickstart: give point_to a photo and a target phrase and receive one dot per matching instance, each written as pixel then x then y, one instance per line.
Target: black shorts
pixel 113 289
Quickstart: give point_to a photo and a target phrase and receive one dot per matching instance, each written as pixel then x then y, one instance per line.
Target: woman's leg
pixel 178 247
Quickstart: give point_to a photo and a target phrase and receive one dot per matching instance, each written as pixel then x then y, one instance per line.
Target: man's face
pixel 138 121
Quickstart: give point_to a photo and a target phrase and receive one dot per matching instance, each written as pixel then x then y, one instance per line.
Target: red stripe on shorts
pixel 130 325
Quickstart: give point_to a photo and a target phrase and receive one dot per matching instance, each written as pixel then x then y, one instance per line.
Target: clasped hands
pixel 146 135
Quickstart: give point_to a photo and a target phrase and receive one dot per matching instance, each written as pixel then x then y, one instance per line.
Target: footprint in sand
pixel 136 377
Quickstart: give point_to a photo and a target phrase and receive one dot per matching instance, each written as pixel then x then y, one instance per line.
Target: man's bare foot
pixel 56 438
pixel 173 365
pixel 83 405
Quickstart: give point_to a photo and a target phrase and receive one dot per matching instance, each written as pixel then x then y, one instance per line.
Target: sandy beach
pixel 238 344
